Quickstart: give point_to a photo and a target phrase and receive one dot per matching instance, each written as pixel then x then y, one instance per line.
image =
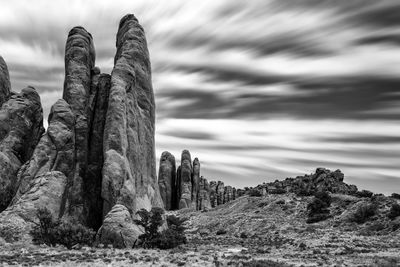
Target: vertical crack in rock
pixel 92 184
pixel 21 126
pixel 79 62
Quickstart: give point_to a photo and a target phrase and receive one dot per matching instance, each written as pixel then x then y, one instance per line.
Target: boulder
pixel 118 229
pixel 21 126
pixel 129 170
pixel 79 62
pixel 186 180
pixel 167 181
pixel 5 86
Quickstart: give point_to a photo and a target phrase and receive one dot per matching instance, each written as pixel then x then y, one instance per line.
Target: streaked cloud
pixel 258 89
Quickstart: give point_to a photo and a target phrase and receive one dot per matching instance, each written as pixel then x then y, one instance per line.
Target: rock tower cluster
pixel 184 187
pixel 96 161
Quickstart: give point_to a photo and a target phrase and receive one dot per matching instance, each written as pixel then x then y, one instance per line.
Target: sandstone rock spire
pixel 186 173
pixel 79 62
pixel 167 180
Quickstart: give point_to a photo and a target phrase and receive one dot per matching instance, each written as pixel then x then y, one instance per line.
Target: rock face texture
pixel 5 86
pixel 203 196
pixel 118 229
pixel 228 194
pixel 45 190
pixel 54 152
pixel 79 62
pixel 129 170
pixel 167 181
pixel 195 182
pixel 186 180
pixel 213 193
pixel 21 125
pixel 220 192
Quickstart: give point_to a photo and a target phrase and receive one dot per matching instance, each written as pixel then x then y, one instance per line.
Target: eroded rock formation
pixel 79 62
pixel 21 125
pixel 189 189
pixel 167 180
pixel 96 159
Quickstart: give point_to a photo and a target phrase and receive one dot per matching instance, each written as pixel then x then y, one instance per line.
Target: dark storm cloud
pixel 382 39
pixel 381 14
pixel 367 139
pixel 196 135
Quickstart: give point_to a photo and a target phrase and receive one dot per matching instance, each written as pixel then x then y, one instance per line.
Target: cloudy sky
pixel 258 90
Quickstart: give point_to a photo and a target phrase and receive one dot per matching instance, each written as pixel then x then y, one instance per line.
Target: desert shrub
pixel 394 211
pixel 364 212
pixel 364 193
pixel 5 197
pixel 221 232
pixel 395 195
pixel 63 232
pixel 255 193
pixel 172 237
pixel 318 207
pixel 265 263
pixel 278 191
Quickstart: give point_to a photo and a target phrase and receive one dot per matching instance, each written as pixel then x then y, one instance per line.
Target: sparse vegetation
pixel 63 232
pixel 394 211
pixel 364 212
pixel 395 195
pixel 364 193
pixel 254 192
pixel 171 237
pixel 318 208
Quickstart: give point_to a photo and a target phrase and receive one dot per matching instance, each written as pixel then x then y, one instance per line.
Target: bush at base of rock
pixel 169 238
pixel 255 193
pixel 364 212
pixel 318 208
pixel 60 232
pixel 364 193
pixel 394 211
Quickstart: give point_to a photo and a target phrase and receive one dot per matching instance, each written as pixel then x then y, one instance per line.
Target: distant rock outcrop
pixel 187 188
pixel 167 180
pixel 322 180
pixel 21 126
pixel 186 173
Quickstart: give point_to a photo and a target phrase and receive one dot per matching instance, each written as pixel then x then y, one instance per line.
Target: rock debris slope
pixel 96 161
